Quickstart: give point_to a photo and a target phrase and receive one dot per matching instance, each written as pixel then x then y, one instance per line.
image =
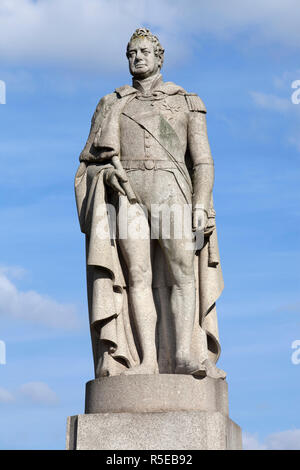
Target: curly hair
pixel 146 33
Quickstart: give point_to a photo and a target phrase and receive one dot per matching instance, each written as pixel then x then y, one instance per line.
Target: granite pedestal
pixel 154 412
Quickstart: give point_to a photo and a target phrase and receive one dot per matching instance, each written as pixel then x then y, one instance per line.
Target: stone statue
pixel 144 199
pixel 151 297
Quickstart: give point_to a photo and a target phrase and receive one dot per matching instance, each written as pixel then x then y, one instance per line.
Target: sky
pixel 57 59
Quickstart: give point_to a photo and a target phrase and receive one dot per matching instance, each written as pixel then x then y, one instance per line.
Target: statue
pixel 151 297
pixel 144 199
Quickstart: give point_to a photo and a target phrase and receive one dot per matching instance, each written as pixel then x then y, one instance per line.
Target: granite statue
pixel 151 295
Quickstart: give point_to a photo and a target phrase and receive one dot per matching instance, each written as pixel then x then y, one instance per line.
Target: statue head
pixel 145 54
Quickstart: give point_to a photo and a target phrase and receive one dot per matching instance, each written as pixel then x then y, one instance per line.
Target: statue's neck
pixel 146 85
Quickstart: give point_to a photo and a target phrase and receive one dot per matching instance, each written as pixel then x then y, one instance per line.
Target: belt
pixel 149 164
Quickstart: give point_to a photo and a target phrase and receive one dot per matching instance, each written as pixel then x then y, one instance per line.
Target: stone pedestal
pixel 154 412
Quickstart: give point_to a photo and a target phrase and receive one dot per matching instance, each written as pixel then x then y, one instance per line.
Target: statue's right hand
pixel 113 178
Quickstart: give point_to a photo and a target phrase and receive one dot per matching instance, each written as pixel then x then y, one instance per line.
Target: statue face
pixel 142 61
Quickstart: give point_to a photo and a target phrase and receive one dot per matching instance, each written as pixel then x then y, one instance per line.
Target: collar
pixel 168 88
pixel 148 85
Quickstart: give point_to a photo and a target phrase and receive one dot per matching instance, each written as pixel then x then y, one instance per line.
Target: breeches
pixel 163 217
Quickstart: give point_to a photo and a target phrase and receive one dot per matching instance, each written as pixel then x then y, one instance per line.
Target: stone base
pixel 171 430
pixel 161 392
pixel 154 412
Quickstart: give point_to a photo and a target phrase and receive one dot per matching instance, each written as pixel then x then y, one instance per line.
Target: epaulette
pixel 195 103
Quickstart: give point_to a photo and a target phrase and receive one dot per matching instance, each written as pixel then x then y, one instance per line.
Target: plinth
pixel 154 412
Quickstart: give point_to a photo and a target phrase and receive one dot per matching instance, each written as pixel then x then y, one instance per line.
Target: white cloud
pixel 270 21
pixel 5 396
pixel 38 393
pixel 92 33
pixel 285 440
pixel 271 102
pixel 35 307
pixel 251 442
pixel 290 104
pixel 14 272
pixel 35 392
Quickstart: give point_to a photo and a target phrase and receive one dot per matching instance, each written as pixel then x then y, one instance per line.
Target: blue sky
pixel 58 58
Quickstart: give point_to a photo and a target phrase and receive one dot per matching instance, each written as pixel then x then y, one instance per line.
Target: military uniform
pixel 169 121
pixel 160 138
